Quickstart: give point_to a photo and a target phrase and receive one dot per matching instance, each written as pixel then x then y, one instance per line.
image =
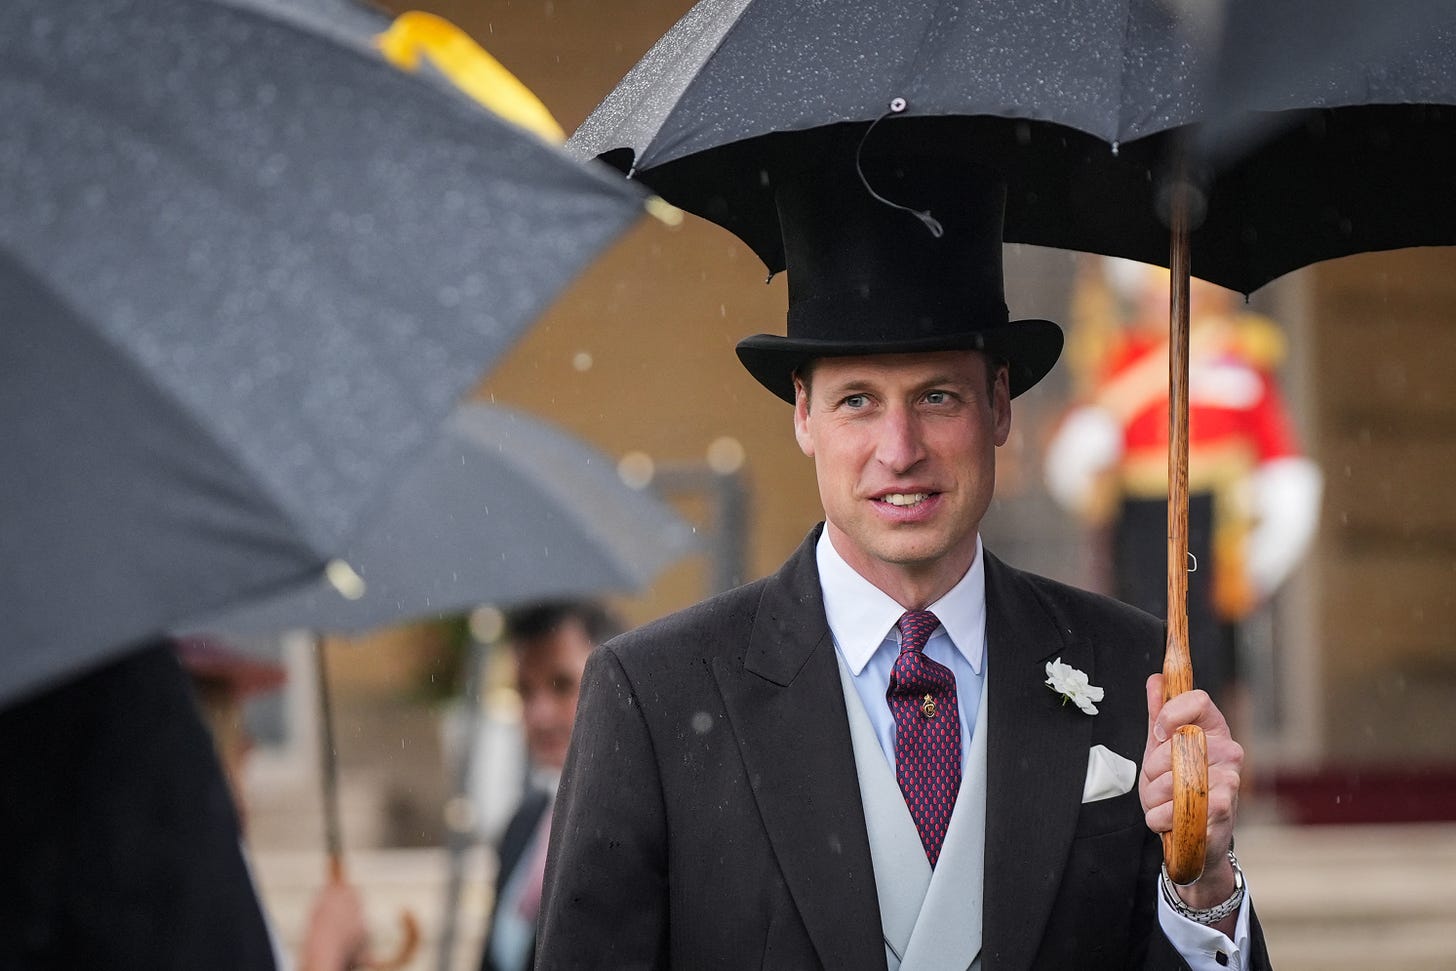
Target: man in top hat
pixel 897 751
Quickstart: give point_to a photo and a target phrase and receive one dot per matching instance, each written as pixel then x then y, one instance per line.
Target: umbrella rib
pixel 1122 74
pixel 603 128
pixel 920 53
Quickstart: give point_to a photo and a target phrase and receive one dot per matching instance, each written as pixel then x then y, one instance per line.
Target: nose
pixel 535 710
pixel 901 443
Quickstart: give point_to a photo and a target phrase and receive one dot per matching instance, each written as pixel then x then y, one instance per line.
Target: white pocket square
pixel 1108 774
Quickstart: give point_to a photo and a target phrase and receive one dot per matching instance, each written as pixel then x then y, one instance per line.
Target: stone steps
pixel 1355 897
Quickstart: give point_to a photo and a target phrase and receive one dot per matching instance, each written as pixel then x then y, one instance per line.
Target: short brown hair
pixel 532 622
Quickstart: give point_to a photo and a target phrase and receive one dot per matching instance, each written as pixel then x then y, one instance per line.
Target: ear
pixel 1001 406
pixel 801 418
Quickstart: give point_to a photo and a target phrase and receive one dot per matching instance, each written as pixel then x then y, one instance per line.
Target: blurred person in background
pixel 1253 497
pixel 223 680
pixel 551 641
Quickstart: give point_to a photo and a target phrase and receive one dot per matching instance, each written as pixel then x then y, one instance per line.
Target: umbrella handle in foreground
pixel 1185 846
pixel 333 829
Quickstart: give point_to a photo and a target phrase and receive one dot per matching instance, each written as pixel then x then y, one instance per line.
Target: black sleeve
pixel 120 840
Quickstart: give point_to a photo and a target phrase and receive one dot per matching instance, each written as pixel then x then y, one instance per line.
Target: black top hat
pixel 868 277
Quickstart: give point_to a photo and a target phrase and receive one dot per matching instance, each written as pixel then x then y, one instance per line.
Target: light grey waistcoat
pixel 931 919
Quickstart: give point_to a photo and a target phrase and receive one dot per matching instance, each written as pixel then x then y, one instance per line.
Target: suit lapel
pixel 1036 763
pixel 788 715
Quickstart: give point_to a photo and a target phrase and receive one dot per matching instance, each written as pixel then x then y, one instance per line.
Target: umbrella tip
pixel 663 211
pixel 636 470
pixel 341 575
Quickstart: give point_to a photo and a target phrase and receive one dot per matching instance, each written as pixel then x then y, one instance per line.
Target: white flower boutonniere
pixel 1072 685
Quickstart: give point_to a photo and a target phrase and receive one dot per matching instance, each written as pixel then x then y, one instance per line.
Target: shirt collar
pixel 861 615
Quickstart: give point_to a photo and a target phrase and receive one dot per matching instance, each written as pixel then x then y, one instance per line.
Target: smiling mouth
pixel 905 498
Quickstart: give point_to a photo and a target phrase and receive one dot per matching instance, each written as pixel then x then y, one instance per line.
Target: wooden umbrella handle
pixel 1185 846
pixel 409 943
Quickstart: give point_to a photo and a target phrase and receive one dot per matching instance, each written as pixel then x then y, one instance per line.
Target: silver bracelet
pixel 1213 914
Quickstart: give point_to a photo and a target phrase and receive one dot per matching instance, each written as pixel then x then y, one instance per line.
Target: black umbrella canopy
pixel 246 269
pixel 502 507
pixel 1079 105
pixel 1279 56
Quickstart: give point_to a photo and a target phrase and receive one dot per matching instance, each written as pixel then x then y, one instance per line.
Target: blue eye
pixel 856 401
pixel 937 397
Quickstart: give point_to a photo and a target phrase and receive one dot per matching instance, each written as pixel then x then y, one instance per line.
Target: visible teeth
pixel 906 498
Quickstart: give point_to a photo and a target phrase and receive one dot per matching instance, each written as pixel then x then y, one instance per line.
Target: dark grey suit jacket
pixel 710 817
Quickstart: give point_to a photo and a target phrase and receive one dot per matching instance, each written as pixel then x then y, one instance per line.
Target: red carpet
pixel 1360 794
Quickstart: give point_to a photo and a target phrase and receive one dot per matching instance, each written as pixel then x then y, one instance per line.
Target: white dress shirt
pixel 863 618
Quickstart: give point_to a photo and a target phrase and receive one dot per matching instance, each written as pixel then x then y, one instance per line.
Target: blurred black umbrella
pixel 1079 104
pixel 1089 112
pixel 503 507
pixel 246 269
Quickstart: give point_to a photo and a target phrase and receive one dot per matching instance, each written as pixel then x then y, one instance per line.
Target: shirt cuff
pixel 1203 947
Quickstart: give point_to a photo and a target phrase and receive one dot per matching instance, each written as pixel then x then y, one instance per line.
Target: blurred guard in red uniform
pixel 1254 499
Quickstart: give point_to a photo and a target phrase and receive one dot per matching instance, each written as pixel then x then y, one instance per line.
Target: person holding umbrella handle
pixel 223 678
pixel 898 751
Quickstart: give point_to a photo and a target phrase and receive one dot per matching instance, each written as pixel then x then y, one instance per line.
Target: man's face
pixel 904 446
pixel 548 676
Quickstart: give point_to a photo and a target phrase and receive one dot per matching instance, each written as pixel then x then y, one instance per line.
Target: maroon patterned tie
pixel 922 698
